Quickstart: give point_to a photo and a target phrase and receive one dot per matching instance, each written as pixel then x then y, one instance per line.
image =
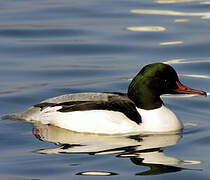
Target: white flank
pixel 92 121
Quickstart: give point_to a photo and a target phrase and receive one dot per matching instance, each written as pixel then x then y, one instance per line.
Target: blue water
pixel 50 48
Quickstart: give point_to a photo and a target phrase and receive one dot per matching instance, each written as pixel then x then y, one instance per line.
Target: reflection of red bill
pixel 28 133
pixel 39 131
pixel 185 90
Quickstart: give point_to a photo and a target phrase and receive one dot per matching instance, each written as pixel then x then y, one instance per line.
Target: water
pixel 50 48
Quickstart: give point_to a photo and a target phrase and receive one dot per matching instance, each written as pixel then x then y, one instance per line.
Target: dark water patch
pixel 40 33
pixel 195 106
pixel 204 141
pixel 77 73
pixel 196 7
pixel 185 51
pixel 147 38
pixel 64 49
pixel 195 68
pixel 92 11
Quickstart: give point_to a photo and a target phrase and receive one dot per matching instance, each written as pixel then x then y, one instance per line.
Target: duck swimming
pixel 139 110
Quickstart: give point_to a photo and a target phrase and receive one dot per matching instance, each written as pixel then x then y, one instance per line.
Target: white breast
pixel 159 120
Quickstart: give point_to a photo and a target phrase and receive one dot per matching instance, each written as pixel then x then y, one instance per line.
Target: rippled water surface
pixel 50 48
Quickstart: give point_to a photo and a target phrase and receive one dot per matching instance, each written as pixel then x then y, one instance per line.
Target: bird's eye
pixel 168 83
pixel 165 81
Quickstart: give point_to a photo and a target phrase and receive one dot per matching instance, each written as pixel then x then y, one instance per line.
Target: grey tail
pixel 28 115
pixel 11 117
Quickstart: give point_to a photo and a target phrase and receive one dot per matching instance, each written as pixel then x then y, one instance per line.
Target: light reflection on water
pixel 173 1
pixel 181 20
pixel 171 43
pixel 146 28
pixel 203 15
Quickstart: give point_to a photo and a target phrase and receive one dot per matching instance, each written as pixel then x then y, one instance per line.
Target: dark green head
pixel 154 80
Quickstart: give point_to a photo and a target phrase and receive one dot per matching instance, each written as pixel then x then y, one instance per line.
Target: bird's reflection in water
pixel 142 150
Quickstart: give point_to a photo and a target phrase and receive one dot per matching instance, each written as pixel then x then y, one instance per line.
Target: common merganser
pixel 140 110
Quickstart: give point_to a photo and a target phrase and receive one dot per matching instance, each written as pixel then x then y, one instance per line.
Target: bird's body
pixel 140 110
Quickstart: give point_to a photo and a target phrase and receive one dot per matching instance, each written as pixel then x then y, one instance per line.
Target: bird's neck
pixel 146 101
pixel 143 96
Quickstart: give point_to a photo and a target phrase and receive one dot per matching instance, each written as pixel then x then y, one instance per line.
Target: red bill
pixel 185 90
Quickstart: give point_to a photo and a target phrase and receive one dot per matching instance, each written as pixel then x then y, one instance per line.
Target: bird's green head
pixel 154 80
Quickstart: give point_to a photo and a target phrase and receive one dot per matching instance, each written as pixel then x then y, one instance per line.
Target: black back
pixel 115 102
